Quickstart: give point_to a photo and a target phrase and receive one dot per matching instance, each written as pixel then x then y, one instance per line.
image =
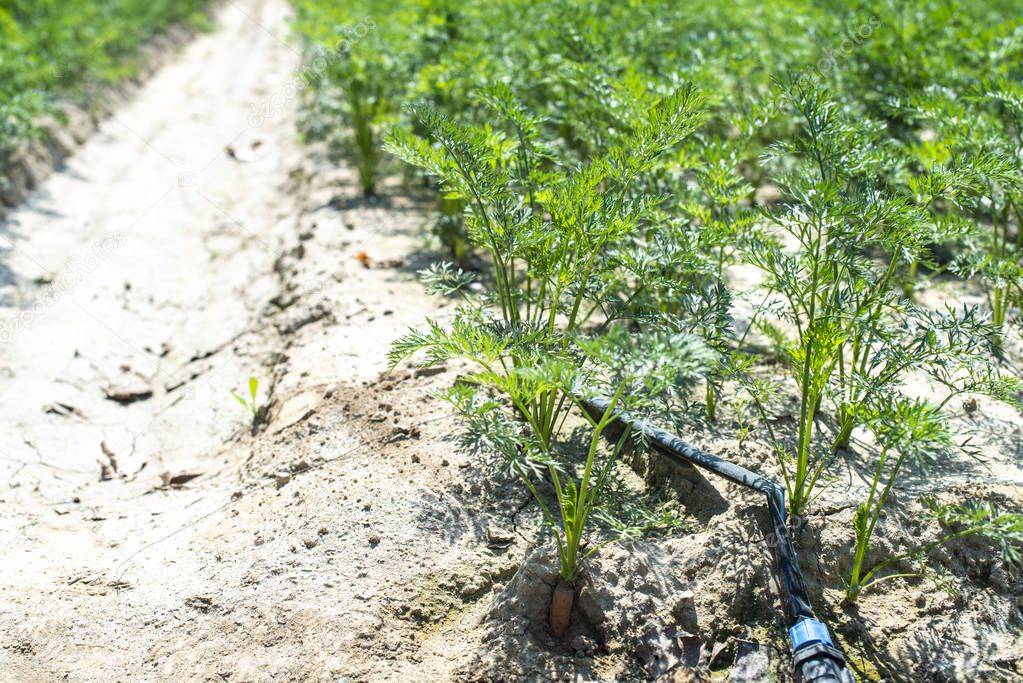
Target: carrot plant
pixel 361 67
pixel 537 337
pixel 1004 99
pixel 634 370
pixel 610 216
pixel 917 432
pixel 714 226
pixel 906 429
pixel 831 260
pixel 363 93
pixel 970 178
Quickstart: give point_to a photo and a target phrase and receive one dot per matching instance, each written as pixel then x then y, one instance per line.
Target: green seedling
pixel 362 95
pixel 364 60
pixel 251 403
pixel 449 228
pixel 548 234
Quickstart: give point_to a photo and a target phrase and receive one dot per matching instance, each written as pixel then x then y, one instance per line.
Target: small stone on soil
pixel 752 663
pixel 499 538
pixel 128 391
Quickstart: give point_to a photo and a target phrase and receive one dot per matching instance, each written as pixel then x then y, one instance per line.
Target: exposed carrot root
pixel 561 608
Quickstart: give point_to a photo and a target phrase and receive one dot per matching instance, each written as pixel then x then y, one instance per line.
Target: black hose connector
pixel 814 655
pixel 815 659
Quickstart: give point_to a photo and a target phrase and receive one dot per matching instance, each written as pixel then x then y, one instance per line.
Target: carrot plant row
pixel 51 49
pixel 605 169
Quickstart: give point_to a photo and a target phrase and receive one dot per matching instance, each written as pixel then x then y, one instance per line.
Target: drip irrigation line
pixel 815 659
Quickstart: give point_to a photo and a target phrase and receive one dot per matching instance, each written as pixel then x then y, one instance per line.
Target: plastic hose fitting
pixel 815 659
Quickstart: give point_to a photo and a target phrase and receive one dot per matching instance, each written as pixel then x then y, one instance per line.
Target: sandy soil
pixel 150 534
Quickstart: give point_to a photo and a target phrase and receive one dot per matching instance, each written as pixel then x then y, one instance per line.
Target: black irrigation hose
pixel 815 659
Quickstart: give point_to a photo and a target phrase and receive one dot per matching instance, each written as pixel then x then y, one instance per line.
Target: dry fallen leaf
pixel 179 479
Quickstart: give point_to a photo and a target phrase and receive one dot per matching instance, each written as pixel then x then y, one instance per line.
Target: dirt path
pixel 148 255
pixel 156 273
pixel 135 294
